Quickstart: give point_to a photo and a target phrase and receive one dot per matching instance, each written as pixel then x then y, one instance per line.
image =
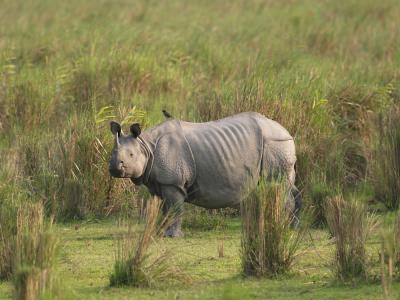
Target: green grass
pixel 87 259
pixel 268 244
pixel 326 70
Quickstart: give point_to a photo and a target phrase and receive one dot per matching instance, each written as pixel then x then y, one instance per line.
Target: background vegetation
pixel 326 70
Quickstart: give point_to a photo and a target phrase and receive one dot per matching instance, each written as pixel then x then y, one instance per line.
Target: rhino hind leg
pixel 173 204
pixel 297 199
pixel 294 198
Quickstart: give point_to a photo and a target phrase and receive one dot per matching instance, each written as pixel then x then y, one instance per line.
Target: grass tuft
pixel 135 265
pixel 35 254
pixel 390 256
pixel 269 245
pixel 386 159
pixel 319 193
pixel 350 225
pixel 10 201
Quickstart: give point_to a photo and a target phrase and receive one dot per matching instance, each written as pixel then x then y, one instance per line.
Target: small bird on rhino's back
pixel 167 115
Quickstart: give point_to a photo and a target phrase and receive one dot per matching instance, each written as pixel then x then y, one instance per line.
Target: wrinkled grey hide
pixel 207 164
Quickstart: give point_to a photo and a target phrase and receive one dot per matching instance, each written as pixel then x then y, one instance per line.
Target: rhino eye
pixel 131 154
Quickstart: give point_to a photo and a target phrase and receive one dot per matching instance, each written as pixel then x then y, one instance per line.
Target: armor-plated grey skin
pixel 211 164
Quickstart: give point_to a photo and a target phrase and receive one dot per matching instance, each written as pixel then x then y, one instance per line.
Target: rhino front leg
pixel 173 204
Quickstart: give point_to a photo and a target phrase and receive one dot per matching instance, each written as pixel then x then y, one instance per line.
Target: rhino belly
pixel 219 189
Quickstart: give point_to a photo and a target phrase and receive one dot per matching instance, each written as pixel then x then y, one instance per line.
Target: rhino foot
pixel 295 223
pixel 172 233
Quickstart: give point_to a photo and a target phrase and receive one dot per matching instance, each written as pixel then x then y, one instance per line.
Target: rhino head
pixel 128 158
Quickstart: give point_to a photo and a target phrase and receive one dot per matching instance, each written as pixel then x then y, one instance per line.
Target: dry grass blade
pixel 220 249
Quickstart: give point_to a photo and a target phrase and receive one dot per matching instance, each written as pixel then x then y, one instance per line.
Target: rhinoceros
pixel 206 164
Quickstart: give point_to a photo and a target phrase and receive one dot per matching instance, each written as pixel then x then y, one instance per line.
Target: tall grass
pixel 7 240
pixel 385 171
pixel 317 195
pixel 350 226
pixel 135 265
pixel 10 200
pixel 35 254
pixel 390 255
pixel 269 245
pixel 69 171
pixel 326 69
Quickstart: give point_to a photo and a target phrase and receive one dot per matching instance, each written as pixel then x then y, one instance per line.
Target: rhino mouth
pixel 118 173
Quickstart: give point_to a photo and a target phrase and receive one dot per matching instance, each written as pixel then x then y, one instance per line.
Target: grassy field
pixel 87 256
pixel 328 71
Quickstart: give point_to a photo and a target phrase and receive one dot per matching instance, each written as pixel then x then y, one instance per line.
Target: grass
pixel 205 219
pixel 268 245
pixel 134 265
pixel 86 260
pixel 7 241
pixel 351 226
pixel 318 195
pixel 8 225
pixel 36 249
pixel 390 256
pixel 386 162
pixel 324 69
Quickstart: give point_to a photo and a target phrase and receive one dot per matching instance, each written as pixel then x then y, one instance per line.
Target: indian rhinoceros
pixel 207 164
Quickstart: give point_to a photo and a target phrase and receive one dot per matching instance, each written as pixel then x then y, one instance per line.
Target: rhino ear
pixel 135 130
pixel 115 128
